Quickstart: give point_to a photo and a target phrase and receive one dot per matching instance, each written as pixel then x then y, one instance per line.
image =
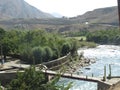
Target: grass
pixel 87 44
pixel 83 43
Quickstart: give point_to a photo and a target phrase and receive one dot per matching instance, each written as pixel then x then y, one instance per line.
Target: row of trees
pixel 35 46
pixel 104 36
pixel 99 36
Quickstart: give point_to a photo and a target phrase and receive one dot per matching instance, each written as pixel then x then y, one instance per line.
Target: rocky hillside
pixel 98 19
pixel 107 15
pixel 20 9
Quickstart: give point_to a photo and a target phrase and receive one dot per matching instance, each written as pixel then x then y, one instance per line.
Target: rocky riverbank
pixel 74 65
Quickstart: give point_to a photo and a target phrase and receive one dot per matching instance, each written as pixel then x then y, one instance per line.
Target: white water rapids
pixel 105 55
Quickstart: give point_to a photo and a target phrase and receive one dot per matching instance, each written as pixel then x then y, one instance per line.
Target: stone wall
pixel 112 84
pixel 103 86
pixel 5 78
pixel 56 64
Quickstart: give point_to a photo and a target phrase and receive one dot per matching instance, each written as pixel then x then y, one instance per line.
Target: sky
pixel 70 8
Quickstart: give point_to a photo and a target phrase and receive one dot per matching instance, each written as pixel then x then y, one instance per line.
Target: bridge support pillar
pixel 103 86
pixel 49 77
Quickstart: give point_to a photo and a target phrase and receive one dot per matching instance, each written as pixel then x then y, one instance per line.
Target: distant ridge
pixel 98 19
pixel 20 9
pixel 107 15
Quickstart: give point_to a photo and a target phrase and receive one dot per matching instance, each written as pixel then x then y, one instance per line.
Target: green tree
pixel 48 54
pixel 2 33
pixel 74 48
pixel 104 36
pixel 56 51
pixel 35 80
pixel 36 45
pixel 27 55
pixel 10 42
pixel 38 54
pixel 29 80
pixel 66 48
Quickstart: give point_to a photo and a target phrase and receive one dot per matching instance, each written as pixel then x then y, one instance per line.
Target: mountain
pixel 98 19
pixel 107 15
pixel 20 9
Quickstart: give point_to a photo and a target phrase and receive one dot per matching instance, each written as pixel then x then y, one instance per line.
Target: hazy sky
pixel 70 8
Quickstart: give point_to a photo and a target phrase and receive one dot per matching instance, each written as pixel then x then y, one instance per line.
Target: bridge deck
pixel 74 76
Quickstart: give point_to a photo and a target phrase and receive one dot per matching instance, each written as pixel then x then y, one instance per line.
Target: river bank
pixel 78 63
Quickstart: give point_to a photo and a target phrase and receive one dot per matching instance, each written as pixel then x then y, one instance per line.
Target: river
pixel 104 55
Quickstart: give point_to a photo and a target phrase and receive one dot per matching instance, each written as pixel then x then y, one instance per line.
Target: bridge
pixel 102 85
pixel 74 76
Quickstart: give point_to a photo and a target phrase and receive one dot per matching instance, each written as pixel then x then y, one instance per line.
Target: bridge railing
pixel 74 76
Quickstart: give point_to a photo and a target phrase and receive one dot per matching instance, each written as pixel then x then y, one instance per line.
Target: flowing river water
pixel 104 55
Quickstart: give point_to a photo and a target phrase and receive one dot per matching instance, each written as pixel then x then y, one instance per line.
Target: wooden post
pixel 86 77
pixel 104 77
pixel 109 76
pixel 110 70
pixel 119 12
pixel 92 74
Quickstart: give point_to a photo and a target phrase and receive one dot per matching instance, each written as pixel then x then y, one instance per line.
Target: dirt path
pixel 13 63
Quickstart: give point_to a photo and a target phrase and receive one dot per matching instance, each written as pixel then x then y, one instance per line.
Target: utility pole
pixel 118 1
